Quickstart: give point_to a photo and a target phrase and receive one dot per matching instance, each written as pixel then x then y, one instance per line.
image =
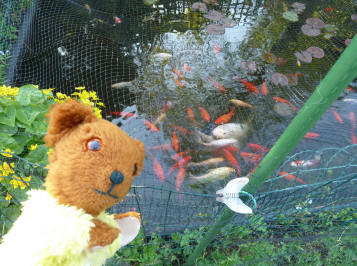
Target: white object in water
pixel 229 195
pixel 62 51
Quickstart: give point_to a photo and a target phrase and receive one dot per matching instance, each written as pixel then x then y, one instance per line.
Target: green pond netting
pixel 175 70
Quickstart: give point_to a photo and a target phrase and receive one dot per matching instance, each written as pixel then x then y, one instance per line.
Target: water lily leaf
pixel 215 29
pixel 328 36
pixel 283 109
pixel 249 65
pixel 316 52
pixel 291 16
pixel 310 31
pixel 348 42
pixel 269 58
pixel 316 23
pixel 304 56
pixel 297 11
pixel 228 22
pixel 199 7
pixel 298 5
pixel 279 79
pixel 354 17
pixel 213 15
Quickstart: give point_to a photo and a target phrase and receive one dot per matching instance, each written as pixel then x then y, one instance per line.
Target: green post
pixel 334 83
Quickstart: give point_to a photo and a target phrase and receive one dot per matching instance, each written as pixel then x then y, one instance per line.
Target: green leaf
pixel 28 94
pixel 38 127
pixel 27 114
pixel 7 129
pixel 6 102
pixel 8 117
pixel 22 139
pixel 38 156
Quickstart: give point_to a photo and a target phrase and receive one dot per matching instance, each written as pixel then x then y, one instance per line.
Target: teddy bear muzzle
pixel 116 178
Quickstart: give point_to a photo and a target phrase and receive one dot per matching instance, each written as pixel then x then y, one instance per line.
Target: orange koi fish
pixel 311 135
pixel 204 114
pixel 167 106
pixel 150 126
pixel 264 88
pixel 241 103
pixel 178 82
pixel 329 9
pixel 178 73
pixel 353 138
pixel 175 142
pixel 186 67
pixel 123 114
pixel 232 148
pixel 159 171
pixel 180 163
pixel 217 85
pixel 225 118
pixel 257 147
pixel 251 156
pixel 180 177
pixel 297 74
pixel 181 129
pixel 255 168
pixel 337 116
pixel 166 147
pixel 179 155
pixel 291 177
pixel 249 86
pixel 231 159
pixel 190 114
pixel 278 99
pixel 217 49
pixel 349 89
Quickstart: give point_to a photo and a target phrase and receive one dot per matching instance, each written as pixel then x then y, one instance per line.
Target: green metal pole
pixel 334 83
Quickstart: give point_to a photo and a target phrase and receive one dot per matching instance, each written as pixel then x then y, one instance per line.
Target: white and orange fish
pixel 306 163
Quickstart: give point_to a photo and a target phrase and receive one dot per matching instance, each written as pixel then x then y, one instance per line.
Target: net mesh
pixel 156 63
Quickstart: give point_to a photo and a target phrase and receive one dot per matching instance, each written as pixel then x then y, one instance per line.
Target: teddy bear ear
pixel 65 116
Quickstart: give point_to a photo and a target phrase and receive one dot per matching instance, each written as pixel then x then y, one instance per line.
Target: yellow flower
pixel 6 154
pixel 33 147
pixel 100 104
pixel 47 92
pixel 8 91
pixel 36 86
pixel 8 196
pixel 16 181
pixel 12 165
pixel 49 151
pixel 79 88
pixel 6 169
pixel 93 95
pixel 97 111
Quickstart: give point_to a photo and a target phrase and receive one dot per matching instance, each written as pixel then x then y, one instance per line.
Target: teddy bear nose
pixel 116 177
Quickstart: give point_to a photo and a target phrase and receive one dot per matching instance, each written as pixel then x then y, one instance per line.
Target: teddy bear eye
pixel 94 144
pixel 135 170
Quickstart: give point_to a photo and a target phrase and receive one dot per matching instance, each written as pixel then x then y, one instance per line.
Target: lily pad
pixel 328 36
pixel 298 5
pixel 310 31
pixel 213 15
pixel 354 17
pixel 249 65
pixel 348 42
pixel 269 58
pixel 279 79
pixel 291 16
pixel 283 109
pixel 228 22
pixel 316 52
pixel 215 29
pixel 304 56
pixel 199 7
pixel 298 11
pixel 316 23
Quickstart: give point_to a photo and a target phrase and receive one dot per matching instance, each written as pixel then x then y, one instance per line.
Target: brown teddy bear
pixel 91 168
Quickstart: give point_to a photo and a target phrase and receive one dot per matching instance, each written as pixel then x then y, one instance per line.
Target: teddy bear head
pixel 93 162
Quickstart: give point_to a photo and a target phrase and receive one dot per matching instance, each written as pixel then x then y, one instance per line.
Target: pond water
pixel 192 67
